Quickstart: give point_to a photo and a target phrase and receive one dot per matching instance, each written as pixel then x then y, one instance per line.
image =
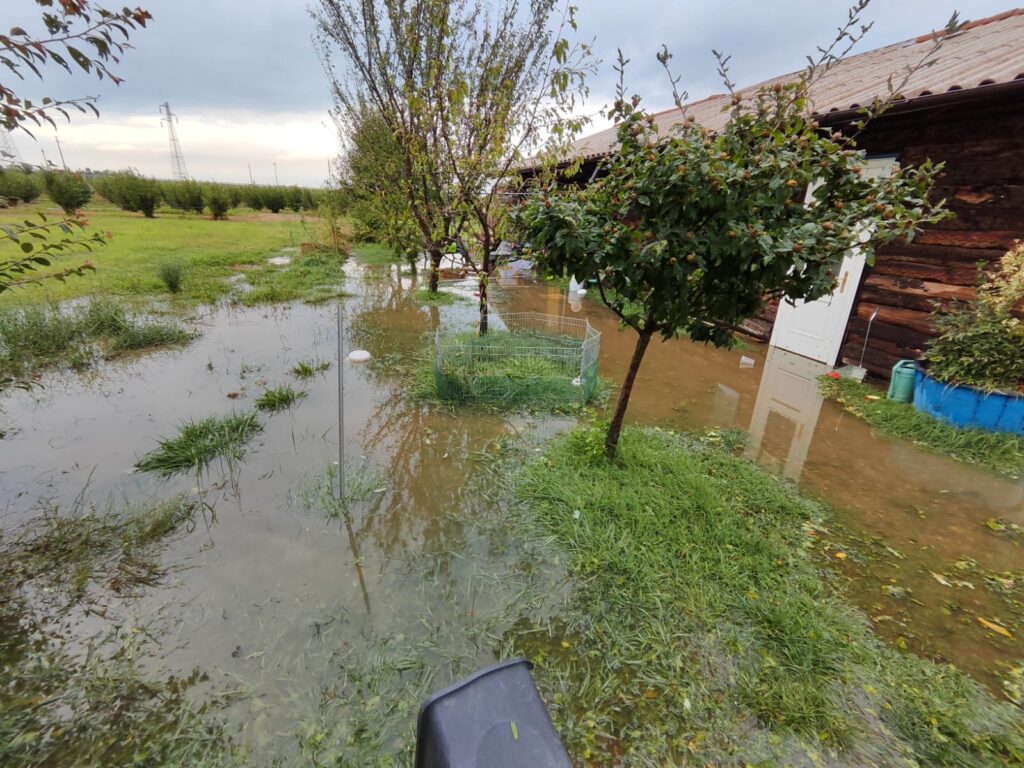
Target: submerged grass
pixel 37 337
pixel 279 398
pixel 319 493
pixel 701 630
pixel 199 443
pixel 67 554
pixel 999 452
pixel 313 277
pixel 307 369
pixel 508 371
pixel 61 704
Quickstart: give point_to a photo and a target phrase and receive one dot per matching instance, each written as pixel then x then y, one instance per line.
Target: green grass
pixel 199 443
pixel 129 265
pixel 42 336
pixel 439 299
pixel 314 278
pixel 279 398
pixel 319 493
pixel 307 369
pixel 999 452
pixel 69 553
pixel 702 630
pixel 62 704
pixel 508 371
pixel 375 253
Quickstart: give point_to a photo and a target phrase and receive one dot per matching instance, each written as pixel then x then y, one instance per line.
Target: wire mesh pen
pixel 540 360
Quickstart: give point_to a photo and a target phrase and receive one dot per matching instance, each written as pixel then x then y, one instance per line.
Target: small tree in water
pixel 691 233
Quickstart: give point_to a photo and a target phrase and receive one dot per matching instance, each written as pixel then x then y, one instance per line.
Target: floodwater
pixel 299 619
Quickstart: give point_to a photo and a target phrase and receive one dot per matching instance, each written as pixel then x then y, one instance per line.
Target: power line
pixel 178 169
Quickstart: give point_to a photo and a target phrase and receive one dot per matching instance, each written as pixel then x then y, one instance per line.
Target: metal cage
pixel 537 360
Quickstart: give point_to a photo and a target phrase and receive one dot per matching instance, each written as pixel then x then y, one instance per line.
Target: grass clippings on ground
pixel 999 452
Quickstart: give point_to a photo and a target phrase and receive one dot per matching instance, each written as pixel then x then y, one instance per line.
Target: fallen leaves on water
pixel 997 628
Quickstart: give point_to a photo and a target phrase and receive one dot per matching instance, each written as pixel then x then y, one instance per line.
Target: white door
pixel 815 329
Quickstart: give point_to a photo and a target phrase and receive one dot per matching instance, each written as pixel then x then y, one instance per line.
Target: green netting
pixel 541 361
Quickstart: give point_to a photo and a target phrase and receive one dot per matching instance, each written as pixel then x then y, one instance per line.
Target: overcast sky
pixel 246 82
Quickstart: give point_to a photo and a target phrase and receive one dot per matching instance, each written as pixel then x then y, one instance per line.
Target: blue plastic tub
pixel 968 407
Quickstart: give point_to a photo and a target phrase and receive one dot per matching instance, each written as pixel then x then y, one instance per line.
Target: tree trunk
pixel 485 274
pixel 483 304
pixel 611 442
pixel 435 265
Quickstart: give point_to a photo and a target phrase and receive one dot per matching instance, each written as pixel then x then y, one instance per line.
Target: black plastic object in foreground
pixel 493 719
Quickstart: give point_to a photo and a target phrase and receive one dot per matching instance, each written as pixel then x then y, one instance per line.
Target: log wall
pixel 982 146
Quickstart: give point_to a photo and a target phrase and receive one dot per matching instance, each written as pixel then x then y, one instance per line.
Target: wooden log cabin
pixel 967 111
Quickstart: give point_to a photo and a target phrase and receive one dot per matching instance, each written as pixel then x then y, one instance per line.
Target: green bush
pixel 68 190
pixel 130 191
pixel 293 198
pixel 273 198
pixel 184 195
pixel 252 196
pixel 217 200
pixel 18 186
pixel 171 273
pixel 981 344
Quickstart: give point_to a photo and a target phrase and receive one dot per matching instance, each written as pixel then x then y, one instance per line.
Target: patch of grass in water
pixel 319 493
pixel 199 443
pixel 999 452
pixel 42 336
pixel 279 398
pixel 315 277
pixel 439 299
pixel 307 369
pixel 150 335
pixel 702 630
pixel 375 253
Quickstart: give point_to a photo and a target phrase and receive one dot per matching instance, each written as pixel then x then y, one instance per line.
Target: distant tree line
pixel 132 191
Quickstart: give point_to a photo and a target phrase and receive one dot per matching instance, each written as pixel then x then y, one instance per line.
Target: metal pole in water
pixel 341 407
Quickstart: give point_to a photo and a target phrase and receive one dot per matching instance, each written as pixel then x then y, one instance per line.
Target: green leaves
pixel 81 36
pixel 39 242
pixel 981 344
pixel 697 230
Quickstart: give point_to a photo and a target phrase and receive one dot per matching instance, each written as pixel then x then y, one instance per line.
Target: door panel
pixel 815 329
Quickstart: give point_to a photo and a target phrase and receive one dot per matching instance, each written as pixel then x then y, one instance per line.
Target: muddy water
pixel 907 515
pixel 291 611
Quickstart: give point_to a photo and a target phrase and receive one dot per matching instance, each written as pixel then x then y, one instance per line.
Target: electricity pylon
pixel 178 168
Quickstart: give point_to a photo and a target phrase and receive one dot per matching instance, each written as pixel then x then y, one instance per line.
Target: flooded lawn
pixel 317 624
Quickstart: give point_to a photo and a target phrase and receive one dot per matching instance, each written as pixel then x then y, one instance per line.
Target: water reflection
pixel 786 411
